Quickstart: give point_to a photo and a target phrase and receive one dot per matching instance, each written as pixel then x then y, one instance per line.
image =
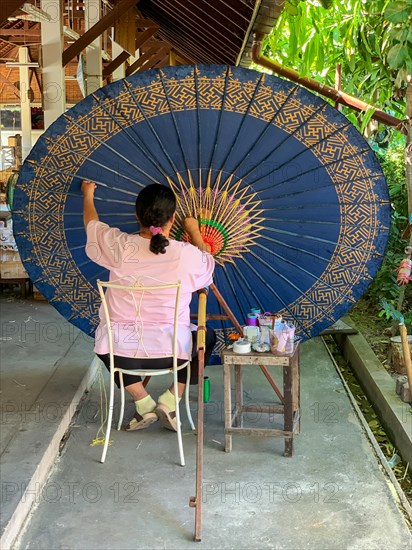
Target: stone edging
pixel 380 388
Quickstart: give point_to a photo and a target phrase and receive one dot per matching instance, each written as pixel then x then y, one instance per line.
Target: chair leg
pixel 178 424
pixel 189 414
pixel 109 418
pixel 119 425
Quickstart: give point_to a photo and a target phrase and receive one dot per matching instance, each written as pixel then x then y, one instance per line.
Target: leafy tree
pixel 371 40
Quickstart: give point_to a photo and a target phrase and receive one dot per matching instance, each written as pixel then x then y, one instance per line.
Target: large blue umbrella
pixel 289 195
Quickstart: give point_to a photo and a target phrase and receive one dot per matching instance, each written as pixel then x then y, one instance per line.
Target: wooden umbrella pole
pixel 196 501
pixel 406 353
pixel 225 306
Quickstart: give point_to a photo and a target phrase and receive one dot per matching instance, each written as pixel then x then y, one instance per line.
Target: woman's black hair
pixel 155 205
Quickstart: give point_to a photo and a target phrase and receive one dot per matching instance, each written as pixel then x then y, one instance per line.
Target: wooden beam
pixel 125 31
pixel 148 60
pixel 97 29
pixel 36 77
pixel 20 32
pixel 139 62
pixel 145 23
pixel 6 79
pixel 155 42
pixel 8 8
pixel 183 59
pixel 157 58
pixel 163 63
pixel 142 37
pixel 22 40
pixel 113 65
pixel 15 90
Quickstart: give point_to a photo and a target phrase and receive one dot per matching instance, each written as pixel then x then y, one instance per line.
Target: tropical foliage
pixel 371 40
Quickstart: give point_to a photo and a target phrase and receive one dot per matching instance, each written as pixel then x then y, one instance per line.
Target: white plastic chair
pixel 136 289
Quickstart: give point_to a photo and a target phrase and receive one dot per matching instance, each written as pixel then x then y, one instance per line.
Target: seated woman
pixel 147 256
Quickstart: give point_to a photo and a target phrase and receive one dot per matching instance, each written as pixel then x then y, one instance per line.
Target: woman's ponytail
pixel 155 205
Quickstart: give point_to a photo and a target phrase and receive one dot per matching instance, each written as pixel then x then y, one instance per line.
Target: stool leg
pixel 288 408
pixel 238 396
pixel 228 407
pixel 296 388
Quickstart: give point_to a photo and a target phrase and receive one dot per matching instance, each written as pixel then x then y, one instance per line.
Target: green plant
pixel 384 285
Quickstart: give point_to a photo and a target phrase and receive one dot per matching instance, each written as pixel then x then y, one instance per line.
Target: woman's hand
pixel 191 226
pixel 88 188
pixel 89 210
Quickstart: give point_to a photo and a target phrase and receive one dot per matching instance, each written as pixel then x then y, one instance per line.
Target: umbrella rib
pixel 265 129
pixel 172 114
pixel 107 146
pixel 150 125
pixel 303 191
pixel 232 288
pixel 101 199
pixel 318 167
pixel 280 143
pixel 219 124
pixel 71 175
pixel 300 268
pixel 101 165
pixel 273 291
pixel 142 148
pixel 318 239
pixel 291 159
pixel 309 253
pixel 199 145
pixel 259 82
pixel 300 292
pixel 101 272
pixel 319 222
pixel 66 229
pixel 107 214
pixel 245 283
pixel 220 309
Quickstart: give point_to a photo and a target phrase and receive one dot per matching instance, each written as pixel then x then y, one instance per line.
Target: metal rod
pixel 336 95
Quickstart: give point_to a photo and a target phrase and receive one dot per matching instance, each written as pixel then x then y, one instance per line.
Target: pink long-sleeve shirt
pixel 145 328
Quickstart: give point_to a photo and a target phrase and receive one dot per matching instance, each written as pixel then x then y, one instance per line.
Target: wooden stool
pixel 289 404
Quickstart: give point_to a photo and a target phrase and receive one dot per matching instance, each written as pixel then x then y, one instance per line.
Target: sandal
pixel 166 417
pixel 139 422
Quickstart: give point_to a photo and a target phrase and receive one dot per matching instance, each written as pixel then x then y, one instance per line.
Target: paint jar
pixel 251 333
pixel 251 320
pixel 279 338
pixel 255 311
pixel 265 333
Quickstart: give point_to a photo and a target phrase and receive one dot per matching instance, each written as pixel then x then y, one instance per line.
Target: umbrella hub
pixel 228 215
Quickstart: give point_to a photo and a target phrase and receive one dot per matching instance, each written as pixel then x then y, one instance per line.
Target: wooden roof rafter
pixel 8 8
pixel 94 32
pixel 157 32
pixel 7 82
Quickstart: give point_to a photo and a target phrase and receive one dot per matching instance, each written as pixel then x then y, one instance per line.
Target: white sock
pixel 145 405
pixel 167 398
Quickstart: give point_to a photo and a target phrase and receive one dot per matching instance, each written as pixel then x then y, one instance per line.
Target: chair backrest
pixel 137 290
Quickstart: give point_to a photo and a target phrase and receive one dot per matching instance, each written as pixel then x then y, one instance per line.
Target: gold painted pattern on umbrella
pixel 359 225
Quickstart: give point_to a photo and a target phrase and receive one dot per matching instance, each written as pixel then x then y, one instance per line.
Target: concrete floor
pixel 332 494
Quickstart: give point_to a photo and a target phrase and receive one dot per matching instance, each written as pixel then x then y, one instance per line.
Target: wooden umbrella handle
pixel 406 353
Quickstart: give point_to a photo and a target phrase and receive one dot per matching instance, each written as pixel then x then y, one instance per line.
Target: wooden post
pixel 196 501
